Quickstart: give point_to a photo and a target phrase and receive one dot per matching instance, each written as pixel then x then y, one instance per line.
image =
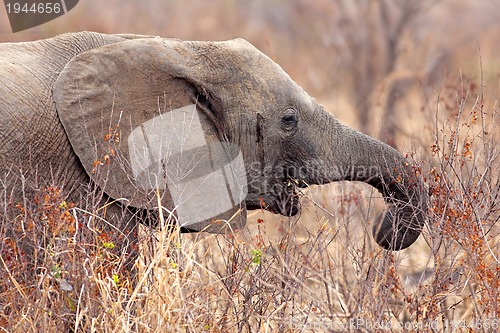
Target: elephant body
pixel 146 119
pixel 34 148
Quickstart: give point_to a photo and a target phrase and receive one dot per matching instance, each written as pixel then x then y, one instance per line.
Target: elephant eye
pixel 289 120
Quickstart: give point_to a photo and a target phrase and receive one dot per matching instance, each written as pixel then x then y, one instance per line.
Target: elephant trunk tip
pixel 407 199
pixel 399 228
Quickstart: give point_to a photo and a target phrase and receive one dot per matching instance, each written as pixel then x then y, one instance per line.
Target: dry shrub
pixel 54 257
pixel 314 273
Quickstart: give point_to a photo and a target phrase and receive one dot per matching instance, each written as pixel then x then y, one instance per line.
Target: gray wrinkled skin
pixel 61 97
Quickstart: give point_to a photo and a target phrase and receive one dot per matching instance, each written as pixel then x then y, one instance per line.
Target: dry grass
pixel 62 270
pixel 315 273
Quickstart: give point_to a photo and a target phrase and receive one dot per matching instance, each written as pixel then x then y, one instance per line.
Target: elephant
pixel 147 119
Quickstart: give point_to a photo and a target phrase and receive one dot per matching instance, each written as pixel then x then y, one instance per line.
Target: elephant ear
pixel 144 130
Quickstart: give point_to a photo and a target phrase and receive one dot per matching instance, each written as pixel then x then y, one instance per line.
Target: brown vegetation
pixel 437 76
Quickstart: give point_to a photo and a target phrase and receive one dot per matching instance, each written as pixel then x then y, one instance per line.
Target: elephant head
pixel 160 119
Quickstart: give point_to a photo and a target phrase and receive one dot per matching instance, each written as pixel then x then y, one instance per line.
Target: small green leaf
pixel 71 304
pixel 109 245
pixel 56 271
pixel 256 256
pixel 116 279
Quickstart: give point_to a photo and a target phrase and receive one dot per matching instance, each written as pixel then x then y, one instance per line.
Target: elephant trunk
pixel 354 156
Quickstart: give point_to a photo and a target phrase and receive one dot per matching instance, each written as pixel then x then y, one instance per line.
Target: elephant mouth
pixel 285 202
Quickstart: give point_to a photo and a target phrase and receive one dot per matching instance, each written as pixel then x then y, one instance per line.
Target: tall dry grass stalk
pixel 316 273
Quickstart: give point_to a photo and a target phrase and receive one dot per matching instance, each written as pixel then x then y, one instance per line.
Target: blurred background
pixel 413 73
pixel 377 65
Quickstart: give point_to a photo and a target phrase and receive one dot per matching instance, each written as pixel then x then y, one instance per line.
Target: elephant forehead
pixel 254 66
pixel 235 58
pixel 234 66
